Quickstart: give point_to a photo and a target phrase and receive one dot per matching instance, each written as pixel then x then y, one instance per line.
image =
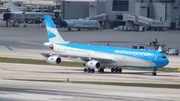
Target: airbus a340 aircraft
pixel 76 23
pixel 98 57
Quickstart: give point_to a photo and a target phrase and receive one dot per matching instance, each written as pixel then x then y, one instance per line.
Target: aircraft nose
pixel 163 62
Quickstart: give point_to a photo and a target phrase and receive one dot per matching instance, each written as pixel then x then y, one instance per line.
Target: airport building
pixel 122 12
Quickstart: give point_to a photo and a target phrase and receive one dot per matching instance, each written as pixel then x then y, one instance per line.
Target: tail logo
pixel 50 34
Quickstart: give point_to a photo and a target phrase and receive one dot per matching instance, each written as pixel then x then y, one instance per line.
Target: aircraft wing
pixel 106 60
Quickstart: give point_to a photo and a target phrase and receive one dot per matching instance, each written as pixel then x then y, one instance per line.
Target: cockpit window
pixel 162 57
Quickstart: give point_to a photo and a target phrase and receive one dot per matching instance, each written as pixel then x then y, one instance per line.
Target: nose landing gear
pixel 154 72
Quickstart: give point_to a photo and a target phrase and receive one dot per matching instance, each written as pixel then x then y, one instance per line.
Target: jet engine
pixel 53 59
pixel 92 64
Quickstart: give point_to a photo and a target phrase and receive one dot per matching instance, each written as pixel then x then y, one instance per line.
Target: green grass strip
pixel 176 86
pixel 70 64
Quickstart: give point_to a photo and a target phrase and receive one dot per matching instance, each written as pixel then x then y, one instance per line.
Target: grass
pixel 175 86
pixel 70 64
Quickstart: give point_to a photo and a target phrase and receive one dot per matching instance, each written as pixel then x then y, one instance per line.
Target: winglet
pixel 9 48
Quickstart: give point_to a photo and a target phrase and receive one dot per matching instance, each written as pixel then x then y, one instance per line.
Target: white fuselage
pixel 30 15
pixel 82 24
pixel 120 60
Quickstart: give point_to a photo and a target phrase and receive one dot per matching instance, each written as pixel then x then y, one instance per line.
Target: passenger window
pixel 161 56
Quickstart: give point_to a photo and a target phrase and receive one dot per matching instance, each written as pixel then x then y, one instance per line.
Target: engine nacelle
pixel 93 64
pixel 53 60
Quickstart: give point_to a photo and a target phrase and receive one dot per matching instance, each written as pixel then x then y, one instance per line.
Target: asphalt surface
pixel 14 90
pixel 12 36
pixel 36 91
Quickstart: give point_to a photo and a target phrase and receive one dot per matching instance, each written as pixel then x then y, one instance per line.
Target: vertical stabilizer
pixel 58 17
pixel 159 49
pixel 59 20
pixel 13 7
pixel 52 32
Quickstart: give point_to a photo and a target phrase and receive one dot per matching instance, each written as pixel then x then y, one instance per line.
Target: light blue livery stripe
pixel 49 21
pixel 50 34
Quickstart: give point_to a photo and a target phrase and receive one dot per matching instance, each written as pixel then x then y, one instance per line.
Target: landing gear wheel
pixel 116 70
pixel 89 70
pixel 154 72
pixel 85 70
pixel 120 70
pixel 101 70
pixel 112 70
pixel 69 29
pixel 79 29
pixel 92 70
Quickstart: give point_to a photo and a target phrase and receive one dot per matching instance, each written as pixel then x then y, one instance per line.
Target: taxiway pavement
pixel 14 90
pixel 12 35
pixel 50 72
pixel 46 91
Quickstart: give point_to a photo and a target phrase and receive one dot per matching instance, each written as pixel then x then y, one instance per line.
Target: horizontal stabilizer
pixel 9 48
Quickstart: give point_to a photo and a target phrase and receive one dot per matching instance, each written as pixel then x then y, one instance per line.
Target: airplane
pixel 76 23
pixel 22 16
pixel 99 57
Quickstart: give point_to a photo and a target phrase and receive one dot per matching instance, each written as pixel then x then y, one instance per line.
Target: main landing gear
pixel 113 70
pixel 101 70
pixel 89 70
pixel 154 72
pixel 116 70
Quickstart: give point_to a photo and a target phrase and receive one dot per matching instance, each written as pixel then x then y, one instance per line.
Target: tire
pixel 89 70
pixel 116 70
pixel 85 70
pixel 154 73
pixel 92 70
pixel 101 70
pixel 112 70
pixel 120 70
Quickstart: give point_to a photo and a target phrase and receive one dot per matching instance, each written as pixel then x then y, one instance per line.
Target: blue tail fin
pixel 159 49
pixel 52 32
pixel 59 20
